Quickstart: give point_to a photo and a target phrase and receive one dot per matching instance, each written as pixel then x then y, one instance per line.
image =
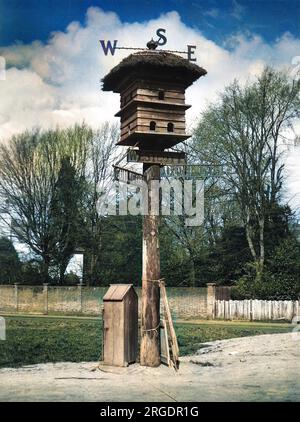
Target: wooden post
pixel 150 335
pixel 211 300
pixel 45 293
pixel 80 297
pixel 16 297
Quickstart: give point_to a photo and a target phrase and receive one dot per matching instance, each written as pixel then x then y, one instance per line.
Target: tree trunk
pixel 261 247
pixel 62 270
pixel 250 242
pixel 259 259
pixel 192 273
pixel 45 268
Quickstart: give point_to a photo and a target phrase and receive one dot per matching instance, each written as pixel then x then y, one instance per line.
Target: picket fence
pixel 257 310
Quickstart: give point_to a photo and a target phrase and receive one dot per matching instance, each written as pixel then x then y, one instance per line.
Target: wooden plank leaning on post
pixel 164 341
pixel 170 326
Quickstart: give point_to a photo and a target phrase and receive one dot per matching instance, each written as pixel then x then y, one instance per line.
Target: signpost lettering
pixel 156 157
pixel 190 171
pixel 110 47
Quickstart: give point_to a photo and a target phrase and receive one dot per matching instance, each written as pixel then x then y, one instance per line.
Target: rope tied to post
pixel 159 281
pixel 152 329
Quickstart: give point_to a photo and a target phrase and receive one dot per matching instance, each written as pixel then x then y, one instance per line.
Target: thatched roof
pixel 154 65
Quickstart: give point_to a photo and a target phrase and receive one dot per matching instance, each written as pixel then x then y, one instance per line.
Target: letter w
pixel 109 47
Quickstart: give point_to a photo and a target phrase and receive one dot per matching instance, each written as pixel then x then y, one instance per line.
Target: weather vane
pixel 110 47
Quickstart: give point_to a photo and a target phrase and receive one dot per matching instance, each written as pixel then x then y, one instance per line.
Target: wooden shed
pixel 120 335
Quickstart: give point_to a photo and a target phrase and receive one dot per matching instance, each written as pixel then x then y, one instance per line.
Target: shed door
pixel 114 333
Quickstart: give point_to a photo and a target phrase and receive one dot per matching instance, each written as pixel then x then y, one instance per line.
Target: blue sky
pixel 28 20
pixel 51 62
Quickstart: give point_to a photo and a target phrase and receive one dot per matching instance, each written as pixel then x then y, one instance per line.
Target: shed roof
pixel 151 63
pixel 116 292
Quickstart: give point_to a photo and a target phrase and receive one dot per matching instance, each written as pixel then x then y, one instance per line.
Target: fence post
pixel 80 297
pixel 16 297
pixel 251 310
pixel 45 293
pixel 211 300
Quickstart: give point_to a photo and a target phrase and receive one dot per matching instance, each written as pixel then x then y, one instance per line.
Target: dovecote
pixel 152 85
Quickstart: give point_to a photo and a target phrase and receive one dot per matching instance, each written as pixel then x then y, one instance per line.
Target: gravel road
pixel 259 368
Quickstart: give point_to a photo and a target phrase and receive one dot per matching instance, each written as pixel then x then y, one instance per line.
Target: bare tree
pixel 29 167
pixel 244 132
pixel 103 151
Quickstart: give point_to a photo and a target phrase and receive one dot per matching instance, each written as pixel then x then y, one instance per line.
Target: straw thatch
pixel 154 65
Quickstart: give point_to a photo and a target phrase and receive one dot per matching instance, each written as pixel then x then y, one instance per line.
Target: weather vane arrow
pixel 110 47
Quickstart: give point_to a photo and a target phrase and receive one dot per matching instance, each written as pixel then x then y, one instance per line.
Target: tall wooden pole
pixel 150 335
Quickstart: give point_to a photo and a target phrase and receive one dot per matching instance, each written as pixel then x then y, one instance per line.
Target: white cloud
pixel 58 83
pixel 293 179
pixel 2 68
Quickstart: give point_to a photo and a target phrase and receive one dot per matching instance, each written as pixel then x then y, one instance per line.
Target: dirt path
pixel 260 368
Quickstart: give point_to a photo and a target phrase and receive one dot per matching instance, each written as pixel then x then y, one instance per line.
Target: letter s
pixel 162 39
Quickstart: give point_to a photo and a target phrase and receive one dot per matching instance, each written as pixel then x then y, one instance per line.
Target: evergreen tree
pixel 66 216
pixel 10 265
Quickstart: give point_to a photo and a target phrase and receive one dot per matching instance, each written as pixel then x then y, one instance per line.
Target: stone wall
pixel 185 303
pixel 212 302
pixel 8 302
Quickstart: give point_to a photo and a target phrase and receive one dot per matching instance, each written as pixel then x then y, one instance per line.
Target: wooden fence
pixel 256 310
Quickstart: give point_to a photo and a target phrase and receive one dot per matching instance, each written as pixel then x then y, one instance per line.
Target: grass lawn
pixel 32 340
